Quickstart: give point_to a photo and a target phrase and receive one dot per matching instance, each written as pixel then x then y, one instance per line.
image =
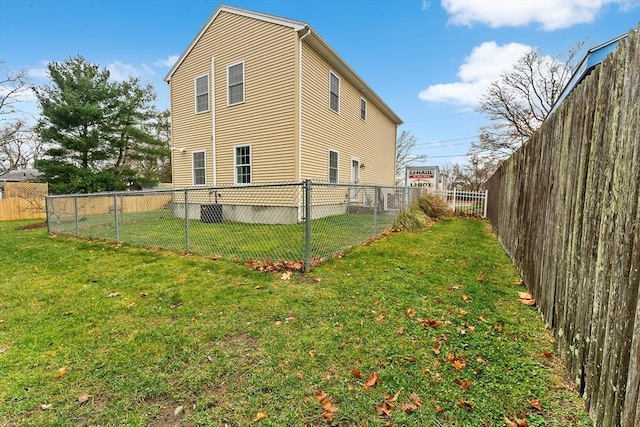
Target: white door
pixel 355 179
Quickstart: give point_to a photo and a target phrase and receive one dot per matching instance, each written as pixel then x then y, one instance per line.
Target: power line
pixel 442 117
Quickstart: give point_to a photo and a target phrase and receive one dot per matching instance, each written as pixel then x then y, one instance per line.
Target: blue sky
pixel 428 59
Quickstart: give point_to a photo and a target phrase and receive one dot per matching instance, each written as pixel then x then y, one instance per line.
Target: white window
pixel 333 166
pixel 202 93
pixel 242 164
pixel 363 109
pixel 235 83
pixel 199 172
pixel 334 92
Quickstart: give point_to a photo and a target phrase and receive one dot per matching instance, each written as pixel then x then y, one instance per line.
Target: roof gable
pixel 294 25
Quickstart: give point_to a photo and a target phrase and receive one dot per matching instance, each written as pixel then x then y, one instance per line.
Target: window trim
pixel 235 164
pixel 365 110
pixel 193 167
pixel 229 104
pixel 337 168
pixel 195 89
pixel 331 73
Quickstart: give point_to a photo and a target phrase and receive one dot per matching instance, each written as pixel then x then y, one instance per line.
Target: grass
pixel 230 344
pixel 159 229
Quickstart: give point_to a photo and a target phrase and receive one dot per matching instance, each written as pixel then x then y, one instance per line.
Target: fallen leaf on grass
pixel 526 298
pixel 286 275
pixel 459 364
pixel 437 345
pixel 464 384
pixel 356 373
pixel 428 323
pixel 131 304
pixel 381 316
pixel 259 416
pixel 372 381
pixel 409 359
pixel 312 353
pixel 439 409
pixel 466 298
pixel 299 375
pixel 84 399
pixel 465 404
pixel 383 409
pixel 61 372
pixel 46 406
pixel 535 404
pixel 480 279
pixel 113 294
pixel 547 354
pixel 410 312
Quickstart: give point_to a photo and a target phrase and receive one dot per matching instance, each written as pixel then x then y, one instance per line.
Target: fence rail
pixel 296 222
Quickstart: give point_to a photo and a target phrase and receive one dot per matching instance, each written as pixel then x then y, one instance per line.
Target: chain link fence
pixel 300 222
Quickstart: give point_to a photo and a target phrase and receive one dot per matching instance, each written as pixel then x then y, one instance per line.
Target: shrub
pixel 411 220
pixel 433 206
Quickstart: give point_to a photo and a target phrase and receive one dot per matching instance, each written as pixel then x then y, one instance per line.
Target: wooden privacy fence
pixel 566 208
pixel 23 200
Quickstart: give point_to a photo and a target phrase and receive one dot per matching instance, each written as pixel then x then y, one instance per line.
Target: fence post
pixel 115 217
pixel 454 199
pixel 307 225
pixel 75 211
pixel 48 207
pixel 186 220
pixel 486 202
pixel 375 210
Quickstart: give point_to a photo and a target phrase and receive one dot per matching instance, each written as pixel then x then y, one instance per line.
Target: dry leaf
pixel 509 423
pixel 526 298
pixel 299 375
pixel 464 404
pixel 459 364
pixel 259 416
pixel 410 312
pixel 428 323
pixel 258 287
pixel 131 304
pixel 521 422
pixel 400 331
pixel 286 275
pixel 84 398
pixel 409 407
pixel 312 353
pixel 113 294
pixel 320 394
pixel 61 372
pixel 372 381
pixel 409 359
pixel 548 354
pixel 535 404
pixel 465 384
pixel 479 279
pixel 327 416
pixel 439 409
pixel 356 373
pixel 46 406
pixel 466 298
pixel 383 409
pixel 381 316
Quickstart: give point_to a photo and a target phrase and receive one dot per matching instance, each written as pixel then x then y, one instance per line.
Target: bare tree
pixel 472 175
pixel 19 145
pixel 405 144
pixel 14 88
pixel 521 99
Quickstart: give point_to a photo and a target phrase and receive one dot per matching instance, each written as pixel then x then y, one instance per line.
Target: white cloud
pixel 485 64
pixel 550 14
pixel 167 62
pixel 120 71
pixel 38 72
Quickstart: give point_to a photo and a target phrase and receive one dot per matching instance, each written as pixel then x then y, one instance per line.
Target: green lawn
pixel 233 240
pixel 110 335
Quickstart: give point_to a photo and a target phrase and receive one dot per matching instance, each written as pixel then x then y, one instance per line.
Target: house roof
pixel 313 39
pixel 593 57
pixel 20 175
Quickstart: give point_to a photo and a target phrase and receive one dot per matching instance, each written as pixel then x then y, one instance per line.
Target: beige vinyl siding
pixel 371 141
pixel 266 119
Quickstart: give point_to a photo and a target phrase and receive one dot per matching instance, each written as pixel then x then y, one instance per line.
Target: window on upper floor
pixel 333 166
pixel 235 83
pixel 363 109
pixel 199 172
pixel 334 92
pixel 202 94
pixel 242 164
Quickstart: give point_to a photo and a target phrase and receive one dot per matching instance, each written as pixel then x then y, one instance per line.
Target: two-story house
pixel 257 98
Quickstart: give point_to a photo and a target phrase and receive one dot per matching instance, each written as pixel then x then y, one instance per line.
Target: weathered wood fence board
pixel 566 208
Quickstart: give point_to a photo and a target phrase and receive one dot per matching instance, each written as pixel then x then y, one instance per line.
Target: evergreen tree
pixel 95 129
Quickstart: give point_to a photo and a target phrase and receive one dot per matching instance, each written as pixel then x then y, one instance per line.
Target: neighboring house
pixel 593 57
pixel 257 98
pixel 18 175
